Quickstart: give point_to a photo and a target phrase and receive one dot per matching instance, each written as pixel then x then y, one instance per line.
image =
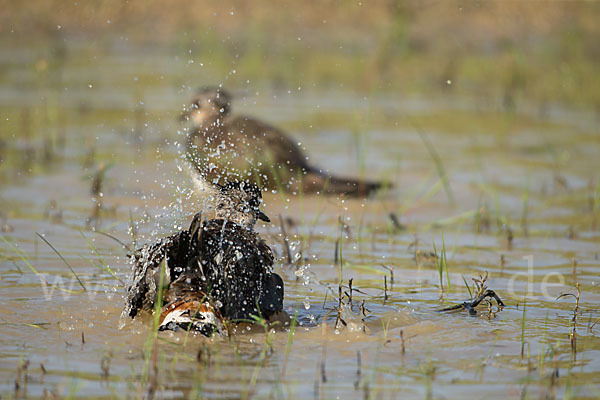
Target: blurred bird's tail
pixel 317 181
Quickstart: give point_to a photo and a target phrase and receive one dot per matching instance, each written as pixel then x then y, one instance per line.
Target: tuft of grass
pixel 442 265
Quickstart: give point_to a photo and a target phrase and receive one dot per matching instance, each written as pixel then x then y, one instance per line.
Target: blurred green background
pixel 545 51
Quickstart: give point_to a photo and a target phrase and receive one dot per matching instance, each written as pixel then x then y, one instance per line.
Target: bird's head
pixel 240 202
pixel 209 104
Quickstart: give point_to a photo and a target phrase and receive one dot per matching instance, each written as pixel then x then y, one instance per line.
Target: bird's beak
pixel 262 216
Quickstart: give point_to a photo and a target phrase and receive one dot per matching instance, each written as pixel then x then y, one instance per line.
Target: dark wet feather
pixel 220 261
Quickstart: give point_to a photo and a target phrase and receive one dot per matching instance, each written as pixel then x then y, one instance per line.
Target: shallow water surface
pixel 520 204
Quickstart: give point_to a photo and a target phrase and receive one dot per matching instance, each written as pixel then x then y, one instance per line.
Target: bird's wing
pixel 277 146
pixel 175 252
pixel 147 263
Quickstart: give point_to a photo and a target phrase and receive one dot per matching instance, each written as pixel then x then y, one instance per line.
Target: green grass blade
pixel 467 286
pixel 441 170
pixel 523 325
pixel 23 258
pixel 21 255
pixel 132 228
pixel 290 339
pixel 445 261
pixel 63 259
pixel 105 266
pixel 340 249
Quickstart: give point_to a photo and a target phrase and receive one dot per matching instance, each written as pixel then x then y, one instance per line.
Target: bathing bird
pixel 224 147
pixel 218 271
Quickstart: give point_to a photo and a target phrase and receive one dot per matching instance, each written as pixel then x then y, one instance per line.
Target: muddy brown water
pixel 532 175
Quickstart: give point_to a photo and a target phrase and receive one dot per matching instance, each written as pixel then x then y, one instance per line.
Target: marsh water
pixel 511 192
